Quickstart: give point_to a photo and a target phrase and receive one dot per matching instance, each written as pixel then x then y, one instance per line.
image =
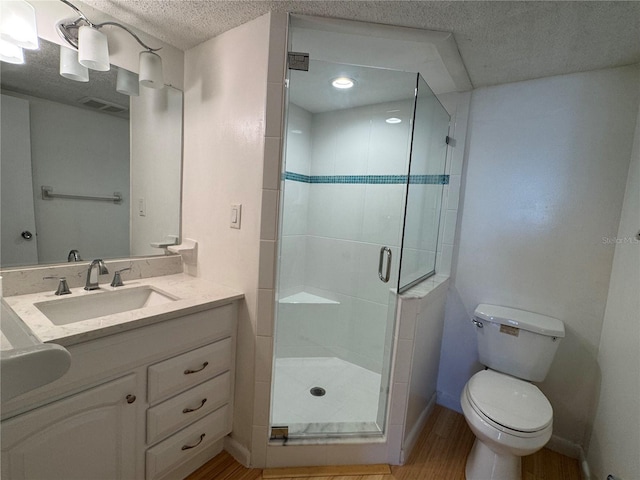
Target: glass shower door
pixel 425 185
pixel 344 187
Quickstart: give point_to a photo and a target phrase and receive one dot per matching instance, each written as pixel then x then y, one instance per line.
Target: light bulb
pixel 342 83
pixel 93 51
pixel 18 24
pixel 70 67
pixel 11 53
pixel 151 70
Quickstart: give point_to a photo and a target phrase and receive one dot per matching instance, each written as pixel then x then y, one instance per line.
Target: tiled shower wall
pixel 346 222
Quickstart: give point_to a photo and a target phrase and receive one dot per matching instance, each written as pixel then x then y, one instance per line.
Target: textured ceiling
pixel 40 78
pixel 499 41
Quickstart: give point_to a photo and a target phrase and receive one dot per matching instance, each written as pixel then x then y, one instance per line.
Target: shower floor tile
pixel 350 402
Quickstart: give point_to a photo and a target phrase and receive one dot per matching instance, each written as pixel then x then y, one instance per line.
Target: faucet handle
pixel 63 287
pixel 117 279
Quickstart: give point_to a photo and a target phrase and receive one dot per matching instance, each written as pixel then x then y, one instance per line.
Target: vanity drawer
pixel 182 446
pixel 169 416
pixel 179 373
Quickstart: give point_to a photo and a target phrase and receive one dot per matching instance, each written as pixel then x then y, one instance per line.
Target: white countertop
pixel 194 295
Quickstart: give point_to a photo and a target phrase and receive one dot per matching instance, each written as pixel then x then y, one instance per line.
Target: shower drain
pixel 317 391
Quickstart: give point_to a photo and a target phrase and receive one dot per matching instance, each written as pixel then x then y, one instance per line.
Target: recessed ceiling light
pixel 393 120
pixel 342 82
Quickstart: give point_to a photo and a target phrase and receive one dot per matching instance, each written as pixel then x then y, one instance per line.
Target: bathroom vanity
pixel 149 393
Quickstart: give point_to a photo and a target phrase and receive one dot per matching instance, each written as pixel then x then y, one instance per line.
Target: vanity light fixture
pixel 393 120
pixel 93 51
pixel 343 83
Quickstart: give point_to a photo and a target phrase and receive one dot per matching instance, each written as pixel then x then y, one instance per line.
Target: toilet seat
pixel 511 405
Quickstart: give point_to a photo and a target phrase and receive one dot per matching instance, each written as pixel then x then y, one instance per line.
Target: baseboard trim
pixel 326 471
pixel 237 451
pixel 572 450
pixel 448 401
pixel 584 465
pixel 564 446
pixel 412 437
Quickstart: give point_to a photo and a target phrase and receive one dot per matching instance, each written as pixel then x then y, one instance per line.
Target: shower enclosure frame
pixel 391 314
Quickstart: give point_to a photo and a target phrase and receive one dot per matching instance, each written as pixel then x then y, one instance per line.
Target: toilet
pixel 509 416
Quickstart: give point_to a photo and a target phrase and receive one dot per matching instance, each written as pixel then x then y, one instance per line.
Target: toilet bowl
pixel 510 418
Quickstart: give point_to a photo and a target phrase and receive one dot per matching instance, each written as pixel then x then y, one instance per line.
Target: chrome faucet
pixel 96 268
pixel 74 256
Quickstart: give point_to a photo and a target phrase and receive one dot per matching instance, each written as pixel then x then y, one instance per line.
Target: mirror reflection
pixel 84 168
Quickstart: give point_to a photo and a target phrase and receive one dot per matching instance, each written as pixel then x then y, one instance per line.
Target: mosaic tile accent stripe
pixel 368 179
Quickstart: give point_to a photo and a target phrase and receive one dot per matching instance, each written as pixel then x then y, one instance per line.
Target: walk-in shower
pixel 363 173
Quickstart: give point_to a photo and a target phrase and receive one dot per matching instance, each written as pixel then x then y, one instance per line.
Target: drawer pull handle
pixel 187 447
pixel 189 372
pixel 189 410
pixel 131 398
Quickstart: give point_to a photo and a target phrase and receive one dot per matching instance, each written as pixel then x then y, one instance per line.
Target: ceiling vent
pixel 102 105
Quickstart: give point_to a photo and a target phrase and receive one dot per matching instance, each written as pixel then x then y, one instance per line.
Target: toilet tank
pixel 517 342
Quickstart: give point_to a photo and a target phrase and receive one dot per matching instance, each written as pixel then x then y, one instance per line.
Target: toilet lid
pixel 509 401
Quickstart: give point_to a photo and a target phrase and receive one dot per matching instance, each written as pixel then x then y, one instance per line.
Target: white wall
pixel 547 161
pixel 225 139
pixel 156 146
pixel 614 445
pixel 79 151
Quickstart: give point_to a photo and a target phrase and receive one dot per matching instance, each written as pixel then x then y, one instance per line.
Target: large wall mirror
pixel 83 167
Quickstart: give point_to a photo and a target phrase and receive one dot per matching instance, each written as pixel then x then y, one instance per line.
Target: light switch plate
pixel 236 215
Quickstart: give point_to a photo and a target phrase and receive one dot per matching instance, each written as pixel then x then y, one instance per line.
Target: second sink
pixel 85 307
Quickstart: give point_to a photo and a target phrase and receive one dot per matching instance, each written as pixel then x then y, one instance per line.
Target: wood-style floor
pixel 440 453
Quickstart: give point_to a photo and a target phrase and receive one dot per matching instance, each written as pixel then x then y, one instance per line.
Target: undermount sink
pixel 25 362
pixel 77 309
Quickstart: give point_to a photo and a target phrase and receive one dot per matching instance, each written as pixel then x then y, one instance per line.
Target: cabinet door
pixel 90 435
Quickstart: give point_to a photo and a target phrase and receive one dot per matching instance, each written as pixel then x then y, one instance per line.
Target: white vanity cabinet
pixel 90 435
pixel 191 393
pixel 153 402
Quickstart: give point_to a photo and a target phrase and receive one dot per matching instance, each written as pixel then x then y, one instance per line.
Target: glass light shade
pixel 18 24
pixel 69 66
pixel 127 83
pixel 10 53
pixel 151 70
pixel 93 51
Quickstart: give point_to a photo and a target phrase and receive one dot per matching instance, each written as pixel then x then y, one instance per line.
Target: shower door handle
pixel 387 274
